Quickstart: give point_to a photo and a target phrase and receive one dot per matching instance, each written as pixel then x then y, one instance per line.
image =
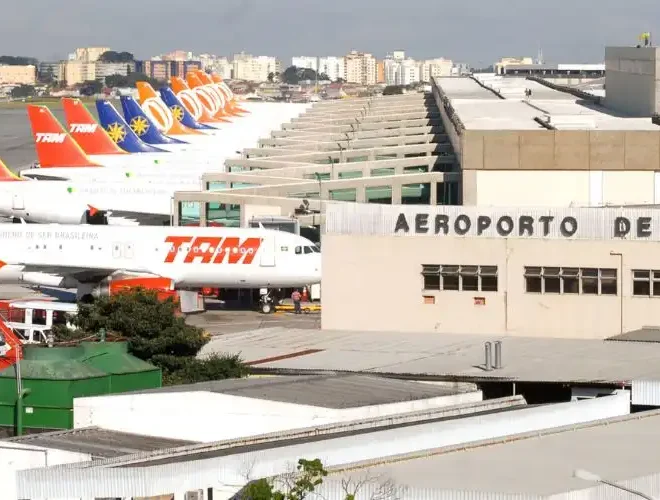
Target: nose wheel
pixel 267 303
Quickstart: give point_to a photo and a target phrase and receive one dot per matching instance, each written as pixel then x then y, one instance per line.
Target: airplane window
pixel 284 249
pixel 298 250
pixel 315 249
pixel 308 250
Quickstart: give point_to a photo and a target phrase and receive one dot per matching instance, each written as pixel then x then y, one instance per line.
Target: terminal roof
pixel 99 443
pixel 445 356
pixel 479 106
pixel 538 463
pixel 336 391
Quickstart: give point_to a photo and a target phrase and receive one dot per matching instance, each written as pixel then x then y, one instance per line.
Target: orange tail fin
pixel 199 111
pixel 222 87
pixel 7 175
pixel 55 148
pixel 86 132
pixel 210 102
pixel 158 111
pixel 207 82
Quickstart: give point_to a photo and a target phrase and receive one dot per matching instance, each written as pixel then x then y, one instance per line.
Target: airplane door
pixel 18 203
pixel 128 251
pixel 268 252
pixel 116 250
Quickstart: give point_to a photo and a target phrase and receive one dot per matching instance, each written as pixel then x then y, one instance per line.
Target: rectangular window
pixel 572 280
pixel 460 278
pixel 646 282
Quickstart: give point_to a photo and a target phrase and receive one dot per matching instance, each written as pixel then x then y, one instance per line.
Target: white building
pixel 254 68
pixel 361 68
pixel 306 62
pixel 435 68
pixel 401 71
pixel 107 69
pixel 221 65
pixel 333 67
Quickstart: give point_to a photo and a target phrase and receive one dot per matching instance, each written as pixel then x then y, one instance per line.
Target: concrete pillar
pixel 396 194
pixel 434 193
pixel 176 212
pixel 203 208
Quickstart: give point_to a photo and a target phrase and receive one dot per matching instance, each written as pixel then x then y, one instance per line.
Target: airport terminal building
pixel 548 272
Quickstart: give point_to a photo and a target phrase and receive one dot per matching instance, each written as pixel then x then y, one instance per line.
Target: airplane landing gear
pixel 267 303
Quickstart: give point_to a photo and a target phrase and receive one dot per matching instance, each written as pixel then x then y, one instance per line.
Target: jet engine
pixel 112 286
pixel 60 215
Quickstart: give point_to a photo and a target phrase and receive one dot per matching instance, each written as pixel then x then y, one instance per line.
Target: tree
pixel 91 87
pixel 113 81
pixel 18 61
pixel 112 56
pixel 308 476
pixel 154 333
pixel 293 75
pixel 271 77
pixel 22 91
pixel 393 90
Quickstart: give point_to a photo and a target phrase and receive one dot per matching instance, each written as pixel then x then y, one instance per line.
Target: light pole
pixel 590 476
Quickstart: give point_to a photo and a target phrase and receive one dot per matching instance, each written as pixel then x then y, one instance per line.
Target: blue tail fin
pixel 174 103
pixel 142 125
pixel 119 130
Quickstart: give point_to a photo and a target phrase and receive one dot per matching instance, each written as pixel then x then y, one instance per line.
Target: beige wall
pixel 560 150
pixel 388 295
pixel 20 75
pixel 556 188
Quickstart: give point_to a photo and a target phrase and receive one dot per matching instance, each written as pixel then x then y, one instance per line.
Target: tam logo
pixel 50 137
pixel 211 250
pixel 83 128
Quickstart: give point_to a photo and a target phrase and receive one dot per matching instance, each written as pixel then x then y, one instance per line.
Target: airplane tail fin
pixel 209 99
pixel 86 132
pixel 120 132
pixel 207 83
pixel 180 105
pixel 195 101
pixel 140 123
pixel 6 174
pixel 224 88
pixel 55 148
pixel 159 113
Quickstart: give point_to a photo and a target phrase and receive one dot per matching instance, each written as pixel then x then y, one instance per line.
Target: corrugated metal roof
pixel 539 463
pixel 328 390
pixel 446 356
pixel 99 443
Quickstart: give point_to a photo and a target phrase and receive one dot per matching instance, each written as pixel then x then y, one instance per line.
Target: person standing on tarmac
pixel 295 296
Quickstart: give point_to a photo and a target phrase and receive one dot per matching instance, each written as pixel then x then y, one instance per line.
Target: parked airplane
pixel 57 153
pixel 123 202
pixel 224 88
pixel 199 102
pixel 90 257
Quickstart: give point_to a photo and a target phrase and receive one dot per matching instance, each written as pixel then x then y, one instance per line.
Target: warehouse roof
pixel 99 443
pixel 444 356
pixel 327 390
pixel 486 110
pixel 537 463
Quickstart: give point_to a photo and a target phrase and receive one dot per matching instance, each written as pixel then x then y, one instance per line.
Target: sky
pixel 478 32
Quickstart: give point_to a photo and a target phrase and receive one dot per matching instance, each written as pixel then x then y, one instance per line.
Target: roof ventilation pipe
pixel 488 364
pixel 498 355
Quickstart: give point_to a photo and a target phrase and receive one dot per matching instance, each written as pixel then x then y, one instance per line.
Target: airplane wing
pixel 81 274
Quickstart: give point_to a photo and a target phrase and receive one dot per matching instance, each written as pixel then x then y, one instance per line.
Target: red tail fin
pixel 6 174
pixel 86 132
pixel 55 148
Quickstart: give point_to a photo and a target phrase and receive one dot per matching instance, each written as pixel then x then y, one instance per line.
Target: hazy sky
pixel 475 31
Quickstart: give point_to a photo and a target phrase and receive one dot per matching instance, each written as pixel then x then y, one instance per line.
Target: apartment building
pixel 401 71
pixel 254 68
pixel 18 75
pixel 103 70
pixel 435 68
pixel 360 68
pixel 220 65
pixel 89 54
pixel 306 62
pixel 76 72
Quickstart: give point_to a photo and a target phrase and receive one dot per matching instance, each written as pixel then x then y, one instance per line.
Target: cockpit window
pixel 298 250
pixel 308 250
pixel 316 249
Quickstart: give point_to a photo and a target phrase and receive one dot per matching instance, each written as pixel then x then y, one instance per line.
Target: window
pixel 460 278
pixel 308 250
pixel 646 283
pixel 570 280
pixel 298 250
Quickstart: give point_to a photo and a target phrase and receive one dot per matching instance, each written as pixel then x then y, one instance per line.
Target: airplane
pixel 185 107
pixel 90 258
pixel 228 93
pixel 61 158
pixel 196 102
pixel 123 202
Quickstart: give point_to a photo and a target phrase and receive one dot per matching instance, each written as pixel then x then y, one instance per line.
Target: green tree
pixel 155 333
pixel 293 75
pixel 393 90
pixel 91 87
pixel 310 474
pixel 113 81
pixel 18 61
pixel 271 77
pixel 112 56
pixel 22 91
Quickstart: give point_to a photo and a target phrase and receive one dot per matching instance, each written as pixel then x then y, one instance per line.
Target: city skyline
pixel 477 32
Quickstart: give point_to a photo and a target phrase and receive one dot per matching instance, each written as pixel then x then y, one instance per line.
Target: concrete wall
pixel 557 188
pixel 631 80
pixel 207 417
pixel 389 295
pixel 560 150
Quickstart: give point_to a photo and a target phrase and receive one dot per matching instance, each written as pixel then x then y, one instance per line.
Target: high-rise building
pixel 89 54
pixel 333 67
pixel 254 68
pixel 76 72
pixel 360 68
pixel 102 70
pixel 400 71
pixel 435 68
pixel 305 62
